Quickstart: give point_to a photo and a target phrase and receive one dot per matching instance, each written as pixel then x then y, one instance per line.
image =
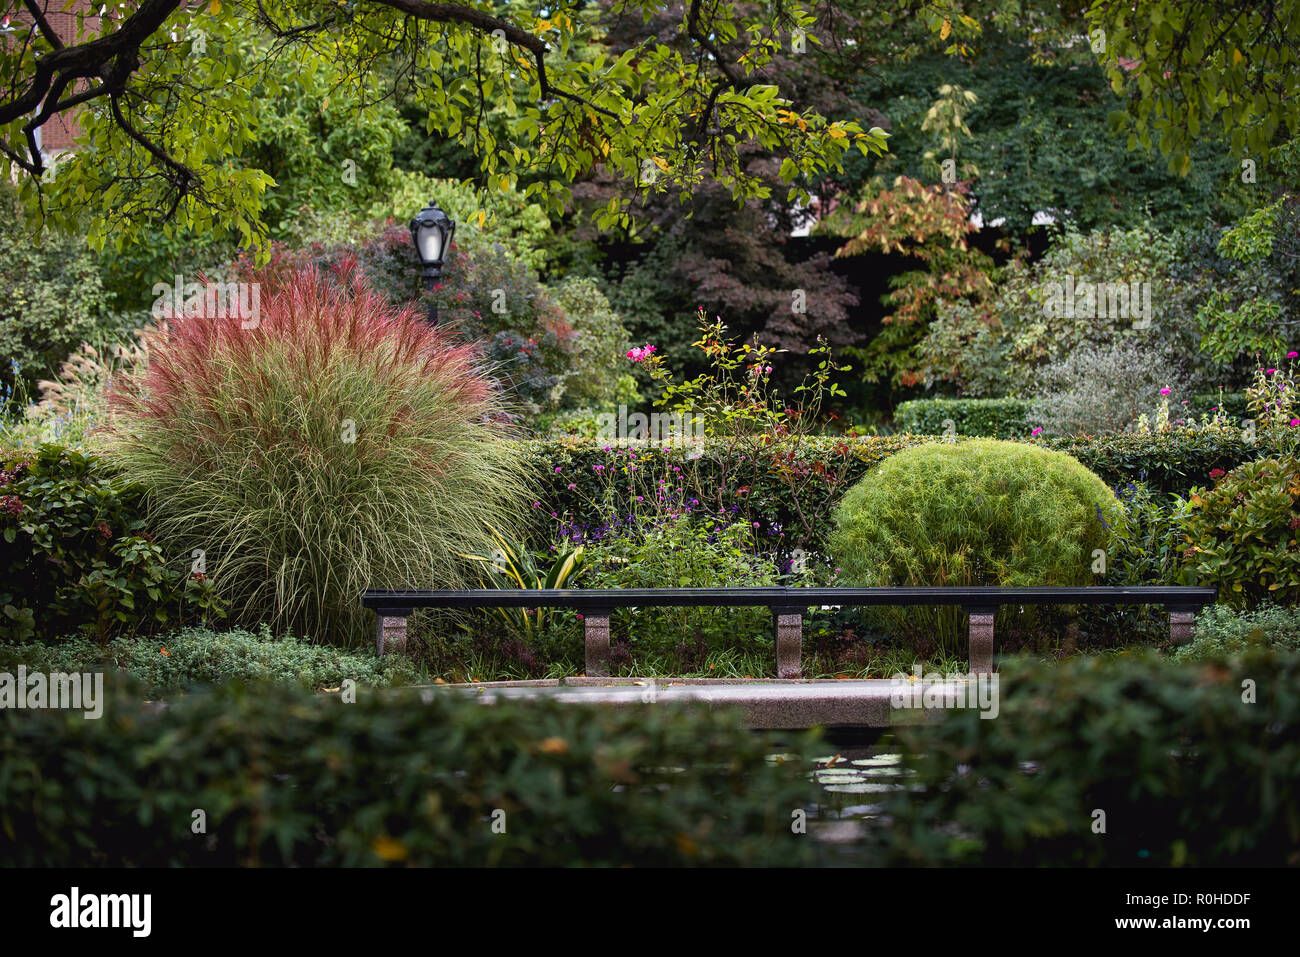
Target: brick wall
pixel 59 132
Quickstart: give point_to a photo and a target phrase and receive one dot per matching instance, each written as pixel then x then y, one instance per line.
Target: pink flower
pixel 1037 430
pixel 537 505
pixel 1166 390
pixel 557 470
pixel 641 352
pixel 572 486
pixel 1292 355
pixel 1295 421
pixel 1269 371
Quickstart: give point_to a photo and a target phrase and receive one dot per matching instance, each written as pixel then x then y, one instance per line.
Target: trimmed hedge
pixel 982 418
pixel 791 498
pixel 1008 418
pixel 1173 462
pixel 286 779
pixel 1186 769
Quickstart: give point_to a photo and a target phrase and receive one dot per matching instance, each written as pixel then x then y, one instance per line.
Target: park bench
pixel 393 606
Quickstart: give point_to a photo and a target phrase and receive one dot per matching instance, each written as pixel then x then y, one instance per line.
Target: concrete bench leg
pixel 390 635
pixel 595 628
pixel 981 641
pixel 788 627
pixel 1181 626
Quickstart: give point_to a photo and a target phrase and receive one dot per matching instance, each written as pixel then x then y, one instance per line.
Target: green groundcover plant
pixel 1224 632
pixel 333 443
pixel 194 657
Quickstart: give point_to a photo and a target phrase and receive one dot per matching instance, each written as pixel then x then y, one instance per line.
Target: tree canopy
pixel 164 90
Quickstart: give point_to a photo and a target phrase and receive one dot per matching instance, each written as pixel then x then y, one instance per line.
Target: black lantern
pixel 431 231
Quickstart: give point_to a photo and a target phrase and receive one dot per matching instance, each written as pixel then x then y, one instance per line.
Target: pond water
pixel 850 777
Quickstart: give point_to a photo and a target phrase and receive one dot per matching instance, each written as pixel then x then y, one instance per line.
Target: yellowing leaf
pixel 216 6
pixel 554 746
pixel 945 29
pixel 389 848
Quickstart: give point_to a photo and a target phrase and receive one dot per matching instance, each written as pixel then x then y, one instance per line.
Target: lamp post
pixel 431 231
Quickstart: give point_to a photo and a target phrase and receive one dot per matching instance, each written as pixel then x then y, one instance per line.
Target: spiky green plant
pixel 510 566
pixel 335 444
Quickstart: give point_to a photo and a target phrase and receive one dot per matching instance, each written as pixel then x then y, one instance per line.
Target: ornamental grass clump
pixel 336 443
pixel 978 512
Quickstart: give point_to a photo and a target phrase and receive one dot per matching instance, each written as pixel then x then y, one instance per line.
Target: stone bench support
pixel 1181 626
pixel 787 629
pixel 390 633
pixel 595 632
pixel 981 640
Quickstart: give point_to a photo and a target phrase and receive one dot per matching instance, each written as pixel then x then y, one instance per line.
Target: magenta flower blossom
pixel 1295 421
pixel 1036 430
pixel 1292 355
pixel 1269 371
pixel 641 352
pixel 1166 390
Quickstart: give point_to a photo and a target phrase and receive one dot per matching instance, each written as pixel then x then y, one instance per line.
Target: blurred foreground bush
pixel 1186 769
pixel 288 779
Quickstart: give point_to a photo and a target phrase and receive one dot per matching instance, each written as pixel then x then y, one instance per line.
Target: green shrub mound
pixel 195 657
pixel 288 779
pixel 1242 534
pixel 982 512
pixel 1187 769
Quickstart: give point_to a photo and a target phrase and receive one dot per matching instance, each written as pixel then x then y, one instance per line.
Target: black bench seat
pixel 393 606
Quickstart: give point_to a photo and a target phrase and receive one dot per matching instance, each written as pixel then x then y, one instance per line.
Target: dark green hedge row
pixel 284 778
pixel 1014 419
pixel 982 418
pixel 1180 764
pixel 587 486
